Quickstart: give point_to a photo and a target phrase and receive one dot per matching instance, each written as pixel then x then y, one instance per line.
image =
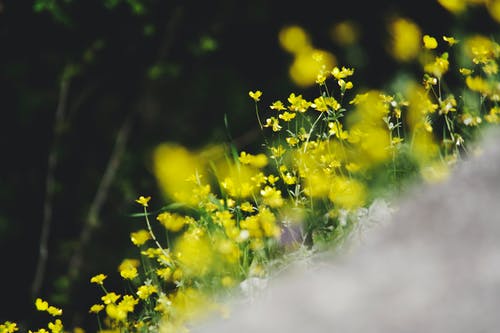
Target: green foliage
pixel 56 8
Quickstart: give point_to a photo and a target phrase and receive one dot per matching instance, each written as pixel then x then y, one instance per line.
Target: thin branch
pixel 92 220
pixel 50 187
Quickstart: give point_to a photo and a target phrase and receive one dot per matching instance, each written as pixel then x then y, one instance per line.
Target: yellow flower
pixel 128 268
pixel 143 200
pixel 439 66
pixel 490 67
pixel 56 327
pixel 140 237
pixel 481 49
pixel 110 298
pixel 430 42
pixel 345 85
pixel 323 103
pixel 173 222
pixel 257 161
pixel 450 40
pixel 297 103
pixel 448 105
pixel 272 197
pixel 115 312
pixel 278 105
pixel 274 123
pixel 246 207
pixel 128 303
pixel 428 126
pixel 287 116
pixel 165 273
pixel 335 128
pixel 396 141
pixel 255 95
pixel 8 327
pixel 342 73
pixel 277 151
pixel 493 116
pixel 477 83
pixel 41 305
pixel 268 223
pixel 320 79
pixel 96 308
pixel 292 141
pixel 99 278
pixel 53 311
pixel 145 291
pixel 152 252
pixel 465 71
pixel 272 179
pixel 288 178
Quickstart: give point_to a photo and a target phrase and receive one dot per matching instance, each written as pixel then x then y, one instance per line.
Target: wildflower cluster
pixel 234 214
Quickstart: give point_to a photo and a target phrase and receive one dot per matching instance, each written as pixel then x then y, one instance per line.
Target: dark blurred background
pixel 88 88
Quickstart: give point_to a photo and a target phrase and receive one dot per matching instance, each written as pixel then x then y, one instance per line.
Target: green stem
pixel 311 130
pixel 154 237
pixel 258 117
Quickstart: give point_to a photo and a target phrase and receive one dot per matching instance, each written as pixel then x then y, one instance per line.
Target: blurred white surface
pixel 434 268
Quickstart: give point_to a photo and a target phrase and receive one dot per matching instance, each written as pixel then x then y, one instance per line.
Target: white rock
pixel 435 268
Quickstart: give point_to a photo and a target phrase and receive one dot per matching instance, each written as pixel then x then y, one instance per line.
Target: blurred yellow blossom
pixel 494 9
pixel 305 67
pixel 406 37
pixel 454 6
pixel 128 268
pixel 439 66
pixel 345 33
pixel 294 39
pixel 257 161
pixel 194 252
pixel 173 222
pixel 450 40
pixel 96 308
